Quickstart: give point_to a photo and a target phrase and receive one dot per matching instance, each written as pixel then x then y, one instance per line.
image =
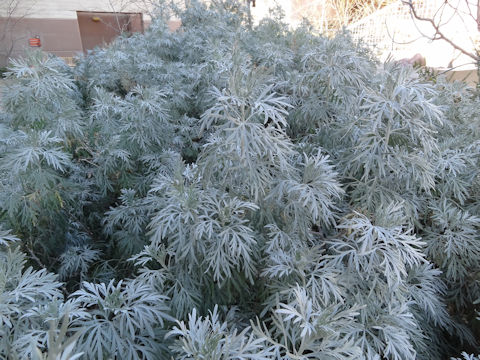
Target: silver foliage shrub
pixel 228 191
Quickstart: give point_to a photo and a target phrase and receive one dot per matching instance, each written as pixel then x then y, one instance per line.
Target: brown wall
pixel 174 25
pixel 64 37
pixel 58 36
pixel 97 28
pixel 68 37
pixel 468 76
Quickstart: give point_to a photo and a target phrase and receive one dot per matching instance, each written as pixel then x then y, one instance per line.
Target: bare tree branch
pixel 438 33
pixel 478 14
pixel 11 13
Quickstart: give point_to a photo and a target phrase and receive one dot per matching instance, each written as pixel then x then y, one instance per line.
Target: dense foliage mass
pixel 227 192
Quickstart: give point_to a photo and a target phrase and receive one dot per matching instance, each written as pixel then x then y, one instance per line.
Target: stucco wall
pixel 67 9
pixel 59 36
pixel 56 23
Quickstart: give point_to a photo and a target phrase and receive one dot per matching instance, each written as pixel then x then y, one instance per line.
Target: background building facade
pixel 67 27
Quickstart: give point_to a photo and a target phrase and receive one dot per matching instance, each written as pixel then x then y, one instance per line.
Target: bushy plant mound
pixel 227 192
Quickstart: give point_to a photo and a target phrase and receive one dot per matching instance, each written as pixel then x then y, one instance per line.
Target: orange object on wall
pixel 34 42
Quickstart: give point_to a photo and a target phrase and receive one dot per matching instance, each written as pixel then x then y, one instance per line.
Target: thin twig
pixel 438 33
pixel 34 257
